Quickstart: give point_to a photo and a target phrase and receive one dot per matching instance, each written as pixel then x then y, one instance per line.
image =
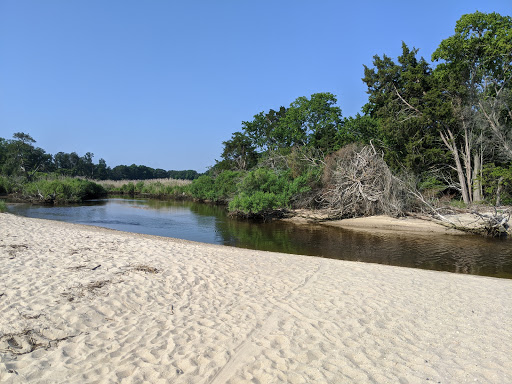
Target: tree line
pixel 19 157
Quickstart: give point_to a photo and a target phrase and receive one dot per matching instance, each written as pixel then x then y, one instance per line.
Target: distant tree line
pixel 19 157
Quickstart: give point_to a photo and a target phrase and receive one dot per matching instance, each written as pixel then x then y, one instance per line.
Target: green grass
pixel 3 206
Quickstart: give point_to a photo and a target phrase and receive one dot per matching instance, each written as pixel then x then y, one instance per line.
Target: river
pixel 210 224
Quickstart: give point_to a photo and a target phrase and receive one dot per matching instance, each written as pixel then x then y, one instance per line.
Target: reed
pixel 120 183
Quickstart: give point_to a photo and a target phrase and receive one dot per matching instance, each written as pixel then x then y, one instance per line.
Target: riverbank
pixel 462 223
pixel 85 304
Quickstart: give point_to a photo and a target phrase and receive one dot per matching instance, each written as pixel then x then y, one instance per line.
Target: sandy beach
pixel 83 304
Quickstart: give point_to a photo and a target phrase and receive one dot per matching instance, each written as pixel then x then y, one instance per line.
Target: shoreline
pixel 462 223
pixel 102 305
pixel 380 224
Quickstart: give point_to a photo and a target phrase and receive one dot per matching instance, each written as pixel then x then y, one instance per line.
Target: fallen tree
pixel 358 182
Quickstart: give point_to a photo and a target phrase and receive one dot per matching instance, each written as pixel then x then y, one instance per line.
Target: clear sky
pixel 163 83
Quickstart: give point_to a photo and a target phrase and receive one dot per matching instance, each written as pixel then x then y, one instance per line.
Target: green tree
pixel 404 99
pixel 362 129
pixel 23 159
pixel 475 72
pixel 313 122
pixel 239 152
pixel 102 171
pixel 264 132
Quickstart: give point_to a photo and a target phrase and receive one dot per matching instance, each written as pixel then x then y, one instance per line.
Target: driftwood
pixel 358 182
pixel 497 224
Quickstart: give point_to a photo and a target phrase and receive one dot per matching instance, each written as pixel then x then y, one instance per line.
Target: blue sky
pixel 163 83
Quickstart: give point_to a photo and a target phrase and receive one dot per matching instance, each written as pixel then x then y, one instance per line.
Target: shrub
pixel 3 207
pixel 67 190
pixel 5 185
pixel 264 190
pixel 219 189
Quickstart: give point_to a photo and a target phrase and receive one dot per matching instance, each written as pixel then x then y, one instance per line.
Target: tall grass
pixel 152 187
pixel 3 207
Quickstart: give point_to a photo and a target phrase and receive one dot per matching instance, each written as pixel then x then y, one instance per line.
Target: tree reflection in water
pixel 209 223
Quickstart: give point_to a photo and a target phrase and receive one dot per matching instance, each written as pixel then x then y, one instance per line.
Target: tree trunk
pixel 498 192
pixel 477 183
pixel 452 146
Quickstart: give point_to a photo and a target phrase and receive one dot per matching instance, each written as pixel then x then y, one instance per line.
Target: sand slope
pixel 99 306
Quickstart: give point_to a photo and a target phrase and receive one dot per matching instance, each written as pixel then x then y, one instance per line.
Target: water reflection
pixel 207 223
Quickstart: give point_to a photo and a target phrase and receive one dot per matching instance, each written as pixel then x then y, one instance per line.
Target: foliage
pixel 497 183
pixel 474 74
pixel 404 99
pixel 6 184
pixel 239 152
pixel 264 190
pixel 67 190
pixel 218 188
pixel 363 129
pixel 3 207
pixel 154 187
pixel 311 122
pixel 19 157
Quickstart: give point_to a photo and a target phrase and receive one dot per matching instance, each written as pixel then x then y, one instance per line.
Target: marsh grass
pixel 151 187
pixel 121 183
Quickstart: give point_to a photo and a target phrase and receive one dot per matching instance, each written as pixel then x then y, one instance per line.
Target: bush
pixel 5 185
pixel 219 189
pixel 264 190
pixel 67 190
pixel 3 207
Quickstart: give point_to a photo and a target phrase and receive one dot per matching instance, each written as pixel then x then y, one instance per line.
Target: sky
pixel 164 83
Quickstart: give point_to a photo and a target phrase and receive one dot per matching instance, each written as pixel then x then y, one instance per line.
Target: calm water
pixel 209 224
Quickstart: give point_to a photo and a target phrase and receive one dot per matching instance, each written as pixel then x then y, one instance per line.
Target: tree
pixel 313 122
pixel 22 158
pixel 239 152
pixel 475 75
pixel 362 129
pixel 264 131
pixel 86 165
pixel 403 100
pixel 102 171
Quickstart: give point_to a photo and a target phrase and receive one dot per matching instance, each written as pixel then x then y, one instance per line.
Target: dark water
pixel 209 224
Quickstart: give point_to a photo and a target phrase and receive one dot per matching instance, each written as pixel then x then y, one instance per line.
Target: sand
pixel 88 305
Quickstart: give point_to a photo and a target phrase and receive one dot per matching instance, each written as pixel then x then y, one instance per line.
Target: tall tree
pixel 403 99
pixel 314 122
pixel 264 133
pixel 239 152
pixel 22 158
pixel 475 73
